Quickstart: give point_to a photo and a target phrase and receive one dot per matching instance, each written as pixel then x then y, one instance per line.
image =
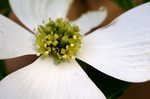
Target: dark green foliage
pixel 4 7
pixel 125 4
pixel 4 4
pixel 111 87
pixel 146 1
pixel 2 69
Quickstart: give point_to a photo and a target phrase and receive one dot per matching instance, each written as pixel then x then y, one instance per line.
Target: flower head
pixel 59 39
pixel 119 50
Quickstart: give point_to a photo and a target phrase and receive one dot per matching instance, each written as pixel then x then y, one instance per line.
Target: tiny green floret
pixel 58 39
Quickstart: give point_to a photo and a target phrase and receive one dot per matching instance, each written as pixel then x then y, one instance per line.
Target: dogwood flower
pixel 120 50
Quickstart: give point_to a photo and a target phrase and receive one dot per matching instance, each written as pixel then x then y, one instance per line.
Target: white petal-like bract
pixel 14 40
pixel 34 12
pixel 123 49
pixel 45 80
pixel 91 20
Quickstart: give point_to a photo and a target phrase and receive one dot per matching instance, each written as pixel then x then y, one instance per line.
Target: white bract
pixel 121 51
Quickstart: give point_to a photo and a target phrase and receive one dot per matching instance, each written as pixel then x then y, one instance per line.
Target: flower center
pixel 58 39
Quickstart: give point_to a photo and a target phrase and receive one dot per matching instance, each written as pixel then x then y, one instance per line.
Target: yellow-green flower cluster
pixel 58 39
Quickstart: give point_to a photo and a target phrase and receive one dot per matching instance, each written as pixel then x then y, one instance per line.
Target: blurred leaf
pixel 4 7
pixel 4 4
pixel 5 12
pixel 125 4
pixel 2 70
pixel 111 87
pixel 146 1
